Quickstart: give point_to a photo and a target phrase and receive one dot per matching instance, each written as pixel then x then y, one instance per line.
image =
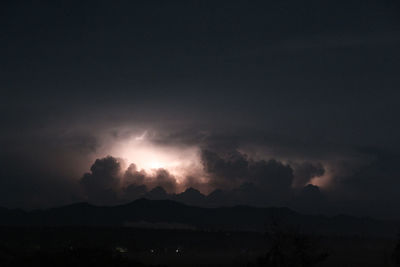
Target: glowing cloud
pixel 179 161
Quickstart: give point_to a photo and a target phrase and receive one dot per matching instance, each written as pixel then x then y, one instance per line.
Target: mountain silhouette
pixel 237 218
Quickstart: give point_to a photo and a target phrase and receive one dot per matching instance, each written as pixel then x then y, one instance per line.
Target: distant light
pixel 121 249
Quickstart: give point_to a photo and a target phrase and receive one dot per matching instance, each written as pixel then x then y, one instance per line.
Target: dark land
pixel 168 233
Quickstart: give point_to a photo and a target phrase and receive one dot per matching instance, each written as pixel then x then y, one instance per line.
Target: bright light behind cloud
pixel 179 161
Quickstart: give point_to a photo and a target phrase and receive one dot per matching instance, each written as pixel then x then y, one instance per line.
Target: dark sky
pixel 311 85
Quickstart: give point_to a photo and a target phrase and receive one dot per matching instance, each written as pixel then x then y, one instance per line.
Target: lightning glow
pixel 179 161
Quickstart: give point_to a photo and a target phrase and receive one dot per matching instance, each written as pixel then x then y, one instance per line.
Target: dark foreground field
pixel 124 246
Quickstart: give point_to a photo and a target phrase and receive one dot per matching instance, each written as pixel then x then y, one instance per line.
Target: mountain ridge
pixel 234 218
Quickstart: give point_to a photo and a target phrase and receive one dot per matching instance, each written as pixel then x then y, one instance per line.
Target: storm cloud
pixel 274 96
pixel 102 183
pixel 304 172
pixel 242 179
pixel 108 183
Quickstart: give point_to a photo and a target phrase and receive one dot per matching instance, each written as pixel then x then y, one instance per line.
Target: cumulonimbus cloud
pixel 241 179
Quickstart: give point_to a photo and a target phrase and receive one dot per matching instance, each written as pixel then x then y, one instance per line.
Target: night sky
pixel 265 103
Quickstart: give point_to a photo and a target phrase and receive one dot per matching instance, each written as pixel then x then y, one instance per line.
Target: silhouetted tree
pixel 290 248
pixel 396 252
